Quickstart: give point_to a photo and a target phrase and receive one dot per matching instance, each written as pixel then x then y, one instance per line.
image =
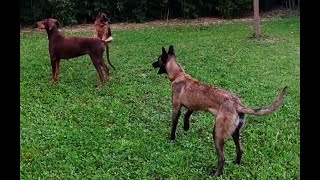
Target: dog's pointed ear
pixel 164 51
pixel 171 50
pixel 56 22
pixel 53 22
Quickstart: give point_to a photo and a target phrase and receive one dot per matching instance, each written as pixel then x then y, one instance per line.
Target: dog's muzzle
pixel 156 64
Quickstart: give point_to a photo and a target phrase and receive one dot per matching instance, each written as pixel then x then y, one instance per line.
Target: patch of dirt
pixel 279 13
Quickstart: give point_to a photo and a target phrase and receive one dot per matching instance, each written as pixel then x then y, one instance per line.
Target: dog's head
pixel 163 59
pixel 48 24
pixel 103 18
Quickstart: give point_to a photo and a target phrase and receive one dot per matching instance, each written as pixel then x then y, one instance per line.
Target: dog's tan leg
pixel 104 37
pixel 175 117
pixel 219 145
pixel 97 64
pixel 223 129
pixel 95 34
pixel 106 70
pixel 186 124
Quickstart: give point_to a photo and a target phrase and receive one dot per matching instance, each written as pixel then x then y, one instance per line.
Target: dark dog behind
pixel 102 31
pixel 61 47
pixel 224 105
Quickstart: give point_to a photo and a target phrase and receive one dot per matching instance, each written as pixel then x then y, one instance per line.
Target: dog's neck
pixel 173 68
pixel 53 34
pixel 176 76
pixel 100 23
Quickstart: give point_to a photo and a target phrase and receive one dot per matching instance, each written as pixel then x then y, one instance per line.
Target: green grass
pixel 73 131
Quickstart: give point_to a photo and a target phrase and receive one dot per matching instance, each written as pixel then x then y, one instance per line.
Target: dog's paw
pixel 185 132
pixel 236 162
pixel 99 87
pixel 217 174
pixel 186 127
pixel 172 139
pixel 52 82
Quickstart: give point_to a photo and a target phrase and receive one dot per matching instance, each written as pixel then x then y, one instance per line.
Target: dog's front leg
pixel 95 34
pixel 57 69
pixel 175 117
pixel 53 66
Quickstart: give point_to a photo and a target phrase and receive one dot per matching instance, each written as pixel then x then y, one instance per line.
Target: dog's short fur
pixel 61 47
pixel 225 106
pixel 102 31
pixel 102 26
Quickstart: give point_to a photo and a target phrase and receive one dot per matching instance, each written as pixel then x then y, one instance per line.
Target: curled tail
pixel 266 110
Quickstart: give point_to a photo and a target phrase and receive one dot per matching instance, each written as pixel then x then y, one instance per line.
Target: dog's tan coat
pixel 224 105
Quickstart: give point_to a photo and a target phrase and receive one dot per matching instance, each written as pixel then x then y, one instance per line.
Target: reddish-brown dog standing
pixel 61 47
pixel 224 105
pixel 102 31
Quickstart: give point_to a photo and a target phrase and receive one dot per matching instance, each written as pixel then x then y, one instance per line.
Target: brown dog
pixel 61 47
pixel 102 31
pixel 102 27
pixel 225 106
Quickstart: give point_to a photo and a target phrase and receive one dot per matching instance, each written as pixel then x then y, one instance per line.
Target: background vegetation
pixel 84 11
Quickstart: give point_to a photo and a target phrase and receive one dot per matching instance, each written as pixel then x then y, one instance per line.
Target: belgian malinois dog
pixel 224 105
pixel 102 31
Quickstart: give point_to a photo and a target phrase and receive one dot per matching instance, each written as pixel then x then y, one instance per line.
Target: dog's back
pixel 70 47
pixel 196 95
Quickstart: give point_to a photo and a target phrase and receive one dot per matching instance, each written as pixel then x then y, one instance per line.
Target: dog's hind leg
pixel 186 123
pixel 97 64
pixel 105 69
pixel 236 138
pixel 219 145
pixel 223 129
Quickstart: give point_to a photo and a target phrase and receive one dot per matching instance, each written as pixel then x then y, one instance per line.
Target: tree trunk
pixel 293 3
pixel 256 19
pixel 290 4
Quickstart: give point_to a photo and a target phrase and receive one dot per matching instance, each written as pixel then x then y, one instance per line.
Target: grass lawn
pixel 73 131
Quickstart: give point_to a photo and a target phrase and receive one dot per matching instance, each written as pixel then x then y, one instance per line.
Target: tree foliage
pixel 84 11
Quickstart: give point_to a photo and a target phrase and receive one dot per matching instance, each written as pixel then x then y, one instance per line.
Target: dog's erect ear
pixel 164 51
pixel 171 50
pixel 53 22
pixel 56 22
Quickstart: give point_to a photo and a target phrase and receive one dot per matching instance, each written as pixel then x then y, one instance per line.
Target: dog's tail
pixel 105 42
pixel 266 110
pixel 107 50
